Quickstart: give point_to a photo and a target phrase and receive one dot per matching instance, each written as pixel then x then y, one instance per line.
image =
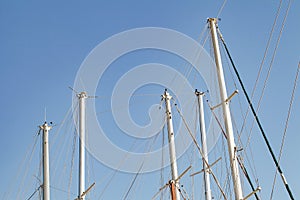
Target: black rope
pixel 133 181
pixel 239 161
pixel 258 123
pixel 247 176
pixel 37 189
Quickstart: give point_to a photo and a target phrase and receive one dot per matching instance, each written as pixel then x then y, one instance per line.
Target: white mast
pixel 226 112
pixel 46 177
pixel 82 96
pixel 204 146
pixel 167 97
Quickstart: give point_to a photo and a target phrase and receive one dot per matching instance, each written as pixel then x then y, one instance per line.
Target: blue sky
pixel 44 44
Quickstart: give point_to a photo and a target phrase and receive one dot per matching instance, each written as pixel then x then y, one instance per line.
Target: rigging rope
pixel 60 144
pixel 221 9
pixel 116 171
pixel 200 151
pixel 72 162
pixel 37 189
pixel 240 163
pixel 162 181
pixel 189 67
pixel 247 176
pixel 257 120
pixel 61 190
pixel 120 164
pixel 27 167
pixel 262 63
pixel 286 125
pixel 273 58
pixel 140 168
pixel 240 135
pixel 271 62
pixel 133 181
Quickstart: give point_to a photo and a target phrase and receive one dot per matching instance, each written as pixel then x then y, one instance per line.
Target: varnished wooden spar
pixel 172 189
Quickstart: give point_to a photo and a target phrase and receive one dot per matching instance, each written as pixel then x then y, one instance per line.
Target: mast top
pixel 45 126
pixel 215 20
pixel 82 95
pixel 166 95
pixel 198 93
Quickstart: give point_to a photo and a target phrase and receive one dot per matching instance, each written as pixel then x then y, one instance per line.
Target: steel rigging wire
pixel 257 120
pixel 286 124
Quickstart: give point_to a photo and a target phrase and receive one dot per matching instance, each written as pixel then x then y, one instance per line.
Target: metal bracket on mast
pixel 85 192
pixel 252 193
pixel 197 93
pixel 226 100
pixel 172 182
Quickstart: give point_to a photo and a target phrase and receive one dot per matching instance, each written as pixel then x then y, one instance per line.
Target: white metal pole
pixel 226 112
pixel 204 146
pixel 82 96
pixel 167 97
pixel 46 176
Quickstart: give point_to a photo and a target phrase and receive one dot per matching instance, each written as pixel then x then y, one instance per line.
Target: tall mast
pixel 46 177
pixel 226 112
pixel 167 97
pixel 204 146
pixel 82 96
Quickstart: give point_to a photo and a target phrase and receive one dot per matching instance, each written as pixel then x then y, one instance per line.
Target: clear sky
pixel 44 44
